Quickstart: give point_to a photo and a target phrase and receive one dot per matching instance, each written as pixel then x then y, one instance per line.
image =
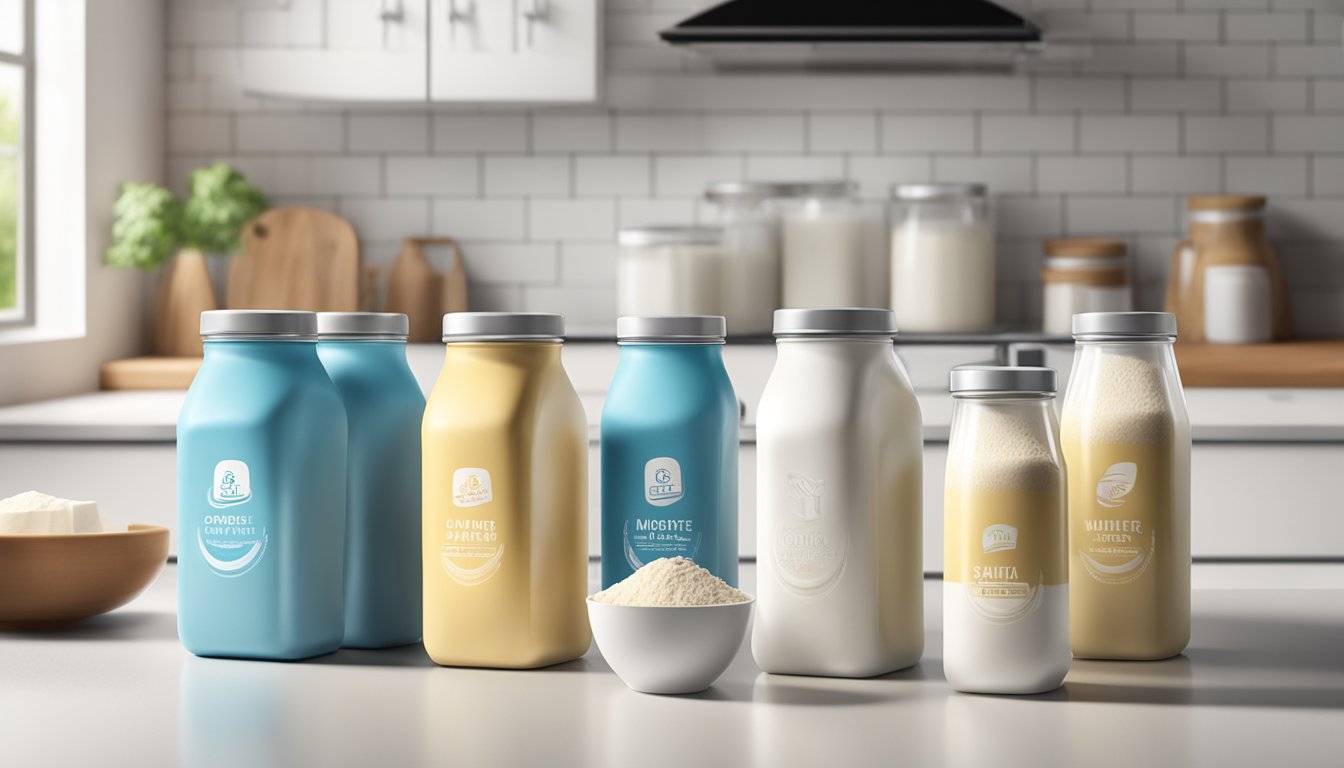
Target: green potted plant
pixel 153 229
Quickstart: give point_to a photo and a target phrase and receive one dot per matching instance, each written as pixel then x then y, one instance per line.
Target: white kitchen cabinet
pixel 535 51
pixel 514 50
pixel 368 50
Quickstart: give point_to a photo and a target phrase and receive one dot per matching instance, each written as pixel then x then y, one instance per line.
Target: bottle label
pixel 471 552
pixel 809 540
pixel 231 542
pixel 1004 545
pixel 662 481
pixel 1117 541
pixel 648 536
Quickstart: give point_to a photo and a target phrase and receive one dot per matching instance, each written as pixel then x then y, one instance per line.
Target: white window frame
pixel 26 290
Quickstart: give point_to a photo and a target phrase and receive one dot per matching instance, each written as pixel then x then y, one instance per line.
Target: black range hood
pixel 853 21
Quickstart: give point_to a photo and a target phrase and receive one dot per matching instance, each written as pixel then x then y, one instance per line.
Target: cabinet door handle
pixel 535 10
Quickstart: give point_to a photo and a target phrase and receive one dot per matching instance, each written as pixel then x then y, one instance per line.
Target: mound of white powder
pixel 670 581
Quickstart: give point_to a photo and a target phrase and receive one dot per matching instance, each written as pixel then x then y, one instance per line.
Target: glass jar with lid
pixel 942 258
pixel 749 290
pixel 1083 274
pixel 669 270
pixel 831 245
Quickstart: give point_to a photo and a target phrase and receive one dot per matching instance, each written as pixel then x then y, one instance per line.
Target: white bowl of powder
pixel 671 627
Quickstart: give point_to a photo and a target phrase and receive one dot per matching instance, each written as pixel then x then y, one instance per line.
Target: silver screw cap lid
pixel 752 191
pixel 821 188
pixel 671 234
pixel 1121 326
pixel 502 326
pixel 258 323
pixel 362 325
pixel 971 379
pixel 840 321
pixel 671 329
pixel 939 191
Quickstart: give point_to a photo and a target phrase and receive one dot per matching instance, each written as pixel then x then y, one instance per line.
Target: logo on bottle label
pixel 662 481
pixel 1116 483
pixel 809 546
pixel 472 487
pixel 232 485
pixel 231 544
pixel 999 538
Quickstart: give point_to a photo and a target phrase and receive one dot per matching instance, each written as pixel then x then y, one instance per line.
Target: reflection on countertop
pixel 1262 683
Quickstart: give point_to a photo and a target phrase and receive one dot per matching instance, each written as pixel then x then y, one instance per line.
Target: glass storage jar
pixel 942 258
pixel 669 270
pixel 1083 274
pixel 831 246
pixel 749 287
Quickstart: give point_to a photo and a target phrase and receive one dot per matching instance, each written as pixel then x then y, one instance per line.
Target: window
pixel 16 80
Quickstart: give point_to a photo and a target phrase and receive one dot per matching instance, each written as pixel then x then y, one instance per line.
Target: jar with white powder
pixel 1005 568
pixel 832 246
pixel 1126 437
pixel 669 270
pixel 749 289
pixel 942 258
pixel 1082 274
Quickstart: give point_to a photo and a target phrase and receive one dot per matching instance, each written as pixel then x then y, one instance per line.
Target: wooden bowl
pixel 48 581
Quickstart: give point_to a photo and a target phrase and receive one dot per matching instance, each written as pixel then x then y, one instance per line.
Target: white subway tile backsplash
pixel 842 133
pixel 480 219
pixel 619 175
pixel 512 262
pixel 572 220
pixel 1162 95
pixel 1173 173
pixel 1202 26
pixel 1177 97
pixel 290 133
pixel 1113 215
pixel 389 133
pixel 1226 134
pixel 199 133
pixel 688 175
pixel 1081 174
pixel 927 133
pixel 1027 133
pixel 572 133
pixel 480 133
pixel 527 176
pixel 1268 175
pixel 1124 133
pixel 588 264
pixel 1002 174
pixel 1313 133
pixel 753 133
pixel 435 176
pixel 382 219
pixel 792 168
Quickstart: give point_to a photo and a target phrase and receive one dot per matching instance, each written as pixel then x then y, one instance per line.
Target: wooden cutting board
pixel 296 258
pixel 424 295
pixel 1283 364
pixel 149 373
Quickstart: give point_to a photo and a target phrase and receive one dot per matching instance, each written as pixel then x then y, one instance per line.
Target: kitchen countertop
pixel 1216 415
pixel 1261 684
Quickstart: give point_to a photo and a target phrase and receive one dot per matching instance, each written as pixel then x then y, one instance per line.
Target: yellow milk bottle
pixel 505 497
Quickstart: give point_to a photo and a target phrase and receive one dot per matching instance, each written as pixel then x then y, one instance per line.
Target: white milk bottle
pixel 839 476
pixel 1005 572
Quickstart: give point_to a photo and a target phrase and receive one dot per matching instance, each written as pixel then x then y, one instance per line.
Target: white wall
pixel 100 123
pixel 1180 96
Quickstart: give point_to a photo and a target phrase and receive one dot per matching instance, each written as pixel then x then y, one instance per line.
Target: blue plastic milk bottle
pixel 365 355
pixel 669 449
pixel 261 492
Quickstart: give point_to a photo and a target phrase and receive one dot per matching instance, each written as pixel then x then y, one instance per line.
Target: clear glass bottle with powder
pixel 942 258
pixel 832 246
pixel 1005 572
pixel 749 283
pixel 1082 274
pixel 669 270
pixel 1126 439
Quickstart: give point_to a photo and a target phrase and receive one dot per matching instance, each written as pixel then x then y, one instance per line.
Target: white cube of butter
pixel 37 513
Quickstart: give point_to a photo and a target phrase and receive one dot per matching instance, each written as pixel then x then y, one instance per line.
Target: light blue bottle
pixel 365 355
pixel 669 449
pixel 261 492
